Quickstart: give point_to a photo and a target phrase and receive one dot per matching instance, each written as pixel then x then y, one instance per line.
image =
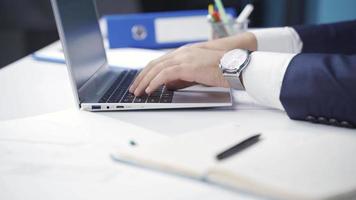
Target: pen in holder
pixel 223 25
pixel 224 29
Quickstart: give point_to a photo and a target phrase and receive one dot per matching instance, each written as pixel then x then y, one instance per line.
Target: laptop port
pixel 95 107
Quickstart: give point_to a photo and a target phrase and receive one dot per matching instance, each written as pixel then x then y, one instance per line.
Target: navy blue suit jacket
pixel 320 83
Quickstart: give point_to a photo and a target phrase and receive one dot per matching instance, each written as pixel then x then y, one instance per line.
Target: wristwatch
pixel 232 65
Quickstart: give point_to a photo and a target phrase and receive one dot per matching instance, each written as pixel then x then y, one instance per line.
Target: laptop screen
pixel 83 41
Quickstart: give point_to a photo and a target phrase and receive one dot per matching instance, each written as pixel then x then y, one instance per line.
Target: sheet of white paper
pixel 73 127
pixel 66 155
pixel 122 57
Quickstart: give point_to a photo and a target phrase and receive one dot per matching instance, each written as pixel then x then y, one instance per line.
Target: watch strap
pixel 234 79
pixel 234 82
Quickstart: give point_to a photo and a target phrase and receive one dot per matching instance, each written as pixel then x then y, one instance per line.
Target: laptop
pixel 100 87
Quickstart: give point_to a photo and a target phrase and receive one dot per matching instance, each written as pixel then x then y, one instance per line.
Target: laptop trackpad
pixel 202 94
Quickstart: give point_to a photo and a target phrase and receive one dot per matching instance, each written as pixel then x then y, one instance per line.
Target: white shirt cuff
pixel 264 75
pixel 284 40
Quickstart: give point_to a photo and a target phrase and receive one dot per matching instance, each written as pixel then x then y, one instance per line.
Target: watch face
pixel 233 60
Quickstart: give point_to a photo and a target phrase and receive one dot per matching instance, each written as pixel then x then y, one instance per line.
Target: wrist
pixel 246 41
pixel 233 64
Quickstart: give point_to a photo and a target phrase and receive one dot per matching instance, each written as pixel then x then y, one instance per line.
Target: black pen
pixel 238 147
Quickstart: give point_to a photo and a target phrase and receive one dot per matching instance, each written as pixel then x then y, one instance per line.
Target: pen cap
pixel 240 27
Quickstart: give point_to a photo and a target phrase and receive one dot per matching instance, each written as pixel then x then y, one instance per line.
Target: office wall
pixel 292 12
pixel 324 11
pixel 274 13
pixel 28 25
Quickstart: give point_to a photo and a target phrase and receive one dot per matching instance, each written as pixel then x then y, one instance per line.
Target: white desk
pixel 31 88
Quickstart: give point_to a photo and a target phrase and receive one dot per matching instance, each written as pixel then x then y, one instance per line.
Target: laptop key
pixel 111 90
pixel 166 100
pixel 156 94
pixel 153 100
pixel 116 97
pixel 167 92
pixel 103 100
pixel 126 100
pixel 141 99
pixel 129 97
pixel 167 96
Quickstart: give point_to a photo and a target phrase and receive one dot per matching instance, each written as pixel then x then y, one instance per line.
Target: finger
pixel 146 70
pixel 166 76
pixel 139 77
pixel 151 74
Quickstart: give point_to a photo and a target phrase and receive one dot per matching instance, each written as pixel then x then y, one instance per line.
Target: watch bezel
pixel 238 69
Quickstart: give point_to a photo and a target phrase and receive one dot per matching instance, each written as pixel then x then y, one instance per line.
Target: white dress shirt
pixel 264 75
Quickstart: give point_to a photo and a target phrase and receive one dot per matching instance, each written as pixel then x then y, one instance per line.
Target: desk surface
pixel 31 88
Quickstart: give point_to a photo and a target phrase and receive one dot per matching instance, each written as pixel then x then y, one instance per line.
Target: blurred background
pixel 28 25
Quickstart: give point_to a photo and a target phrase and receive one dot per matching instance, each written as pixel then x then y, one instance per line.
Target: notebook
pixel 293 165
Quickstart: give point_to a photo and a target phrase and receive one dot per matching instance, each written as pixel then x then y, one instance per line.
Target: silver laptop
pixel 100 87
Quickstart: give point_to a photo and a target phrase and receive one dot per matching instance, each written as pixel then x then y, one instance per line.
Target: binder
pixel 159 29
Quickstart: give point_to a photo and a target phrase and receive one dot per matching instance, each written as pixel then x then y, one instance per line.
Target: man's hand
pixel 189 65
pixel 183 67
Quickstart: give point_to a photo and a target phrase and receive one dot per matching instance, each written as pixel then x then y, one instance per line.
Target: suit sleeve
pixel 328 38
pixel 321 88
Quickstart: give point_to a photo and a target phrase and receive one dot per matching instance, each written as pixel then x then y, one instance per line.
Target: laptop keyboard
pixel 119 93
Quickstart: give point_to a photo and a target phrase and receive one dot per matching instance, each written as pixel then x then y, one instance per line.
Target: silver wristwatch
pixel 232 65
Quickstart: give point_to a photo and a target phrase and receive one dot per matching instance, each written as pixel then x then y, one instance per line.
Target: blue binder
pixel 160 29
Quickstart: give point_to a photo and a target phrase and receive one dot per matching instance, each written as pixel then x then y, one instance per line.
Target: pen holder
pixel 221 29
